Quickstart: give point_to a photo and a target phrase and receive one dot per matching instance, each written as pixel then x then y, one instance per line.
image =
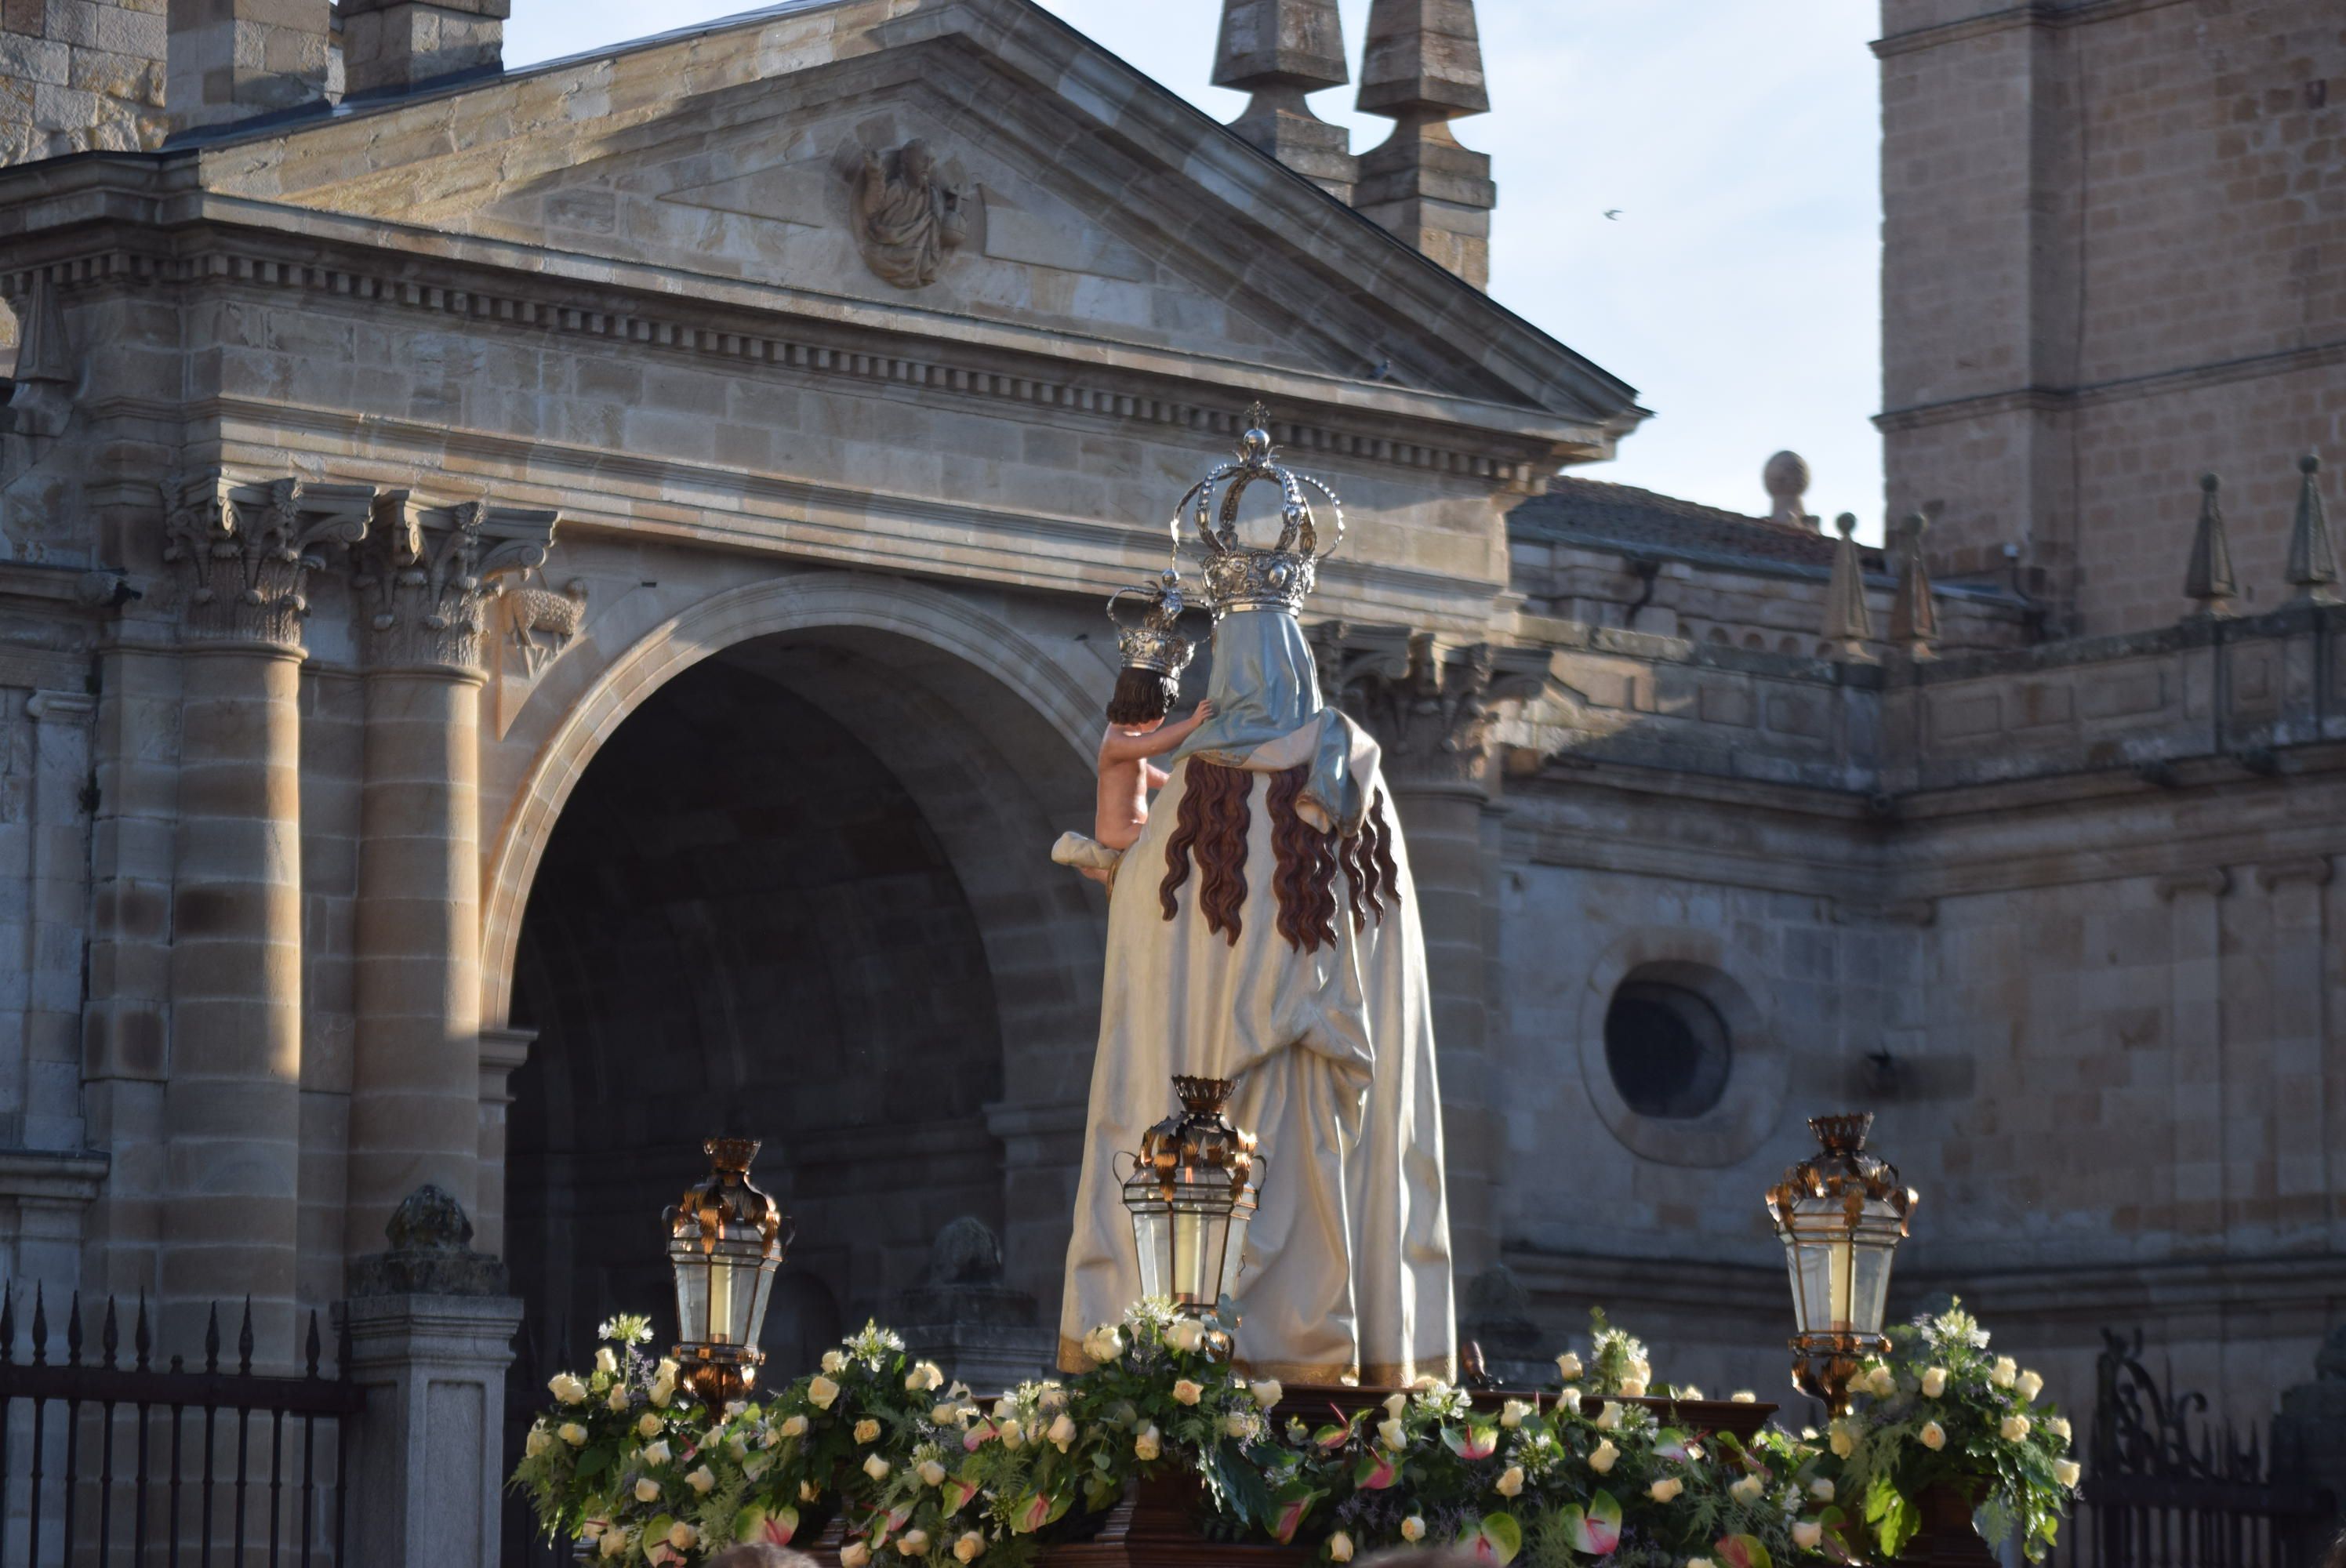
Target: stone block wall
pixel 2114 241
pixel 80 74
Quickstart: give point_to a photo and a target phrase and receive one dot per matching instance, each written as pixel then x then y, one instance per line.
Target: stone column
pixel 1430 708
pixel 430 1333
pixel 231 1105
pixel 425 577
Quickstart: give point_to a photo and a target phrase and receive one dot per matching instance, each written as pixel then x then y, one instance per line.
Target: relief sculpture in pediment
pixel 908 219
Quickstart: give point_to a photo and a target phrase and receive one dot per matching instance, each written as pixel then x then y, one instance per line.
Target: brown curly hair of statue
pixel 1141 695
pixel 1305 881
pixel 1369 873
pixel 1212 824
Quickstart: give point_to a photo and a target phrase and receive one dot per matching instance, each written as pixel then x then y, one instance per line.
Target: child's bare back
pixel 1127 775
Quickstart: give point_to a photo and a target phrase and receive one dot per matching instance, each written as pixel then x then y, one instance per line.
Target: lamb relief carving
pixel 908 216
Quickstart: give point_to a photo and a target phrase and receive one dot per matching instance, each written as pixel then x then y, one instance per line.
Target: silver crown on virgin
pixel 1239 576
pixel 1155 642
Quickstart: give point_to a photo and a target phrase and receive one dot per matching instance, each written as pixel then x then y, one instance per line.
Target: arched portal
pixel 783 873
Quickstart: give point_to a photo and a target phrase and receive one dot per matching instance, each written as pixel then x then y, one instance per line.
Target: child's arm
pixel 1119 747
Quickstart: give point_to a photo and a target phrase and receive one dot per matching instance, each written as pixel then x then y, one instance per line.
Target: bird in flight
pixel 1612 212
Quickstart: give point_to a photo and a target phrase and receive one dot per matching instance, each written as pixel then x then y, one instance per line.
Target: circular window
pixel 1668 1051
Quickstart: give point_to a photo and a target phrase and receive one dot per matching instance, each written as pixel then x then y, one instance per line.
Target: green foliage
pixel 927 1473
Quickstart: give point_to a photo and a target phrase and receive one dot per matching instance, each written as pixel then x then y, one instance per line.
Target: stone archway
pixel 782 871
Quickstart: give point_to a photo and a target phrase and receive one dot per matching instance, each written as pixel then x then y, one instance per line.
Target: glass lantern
pixel 726 1241
pixel 1191 1190
pixel 1841 1215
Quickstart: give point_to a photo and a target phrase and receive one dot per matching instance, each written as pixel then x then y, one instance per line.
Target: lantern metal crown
pixel 1155 642
pixel 726 1241
pixel 1191 1191
pixel 1239 576
pixel 1841 1215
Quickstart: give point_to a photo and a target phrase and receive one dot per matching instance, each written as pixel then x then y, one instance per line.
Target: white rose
pixel 1237 1424
pixel 1104 1343
pixel 613 1544
pixel 656 1453
pixel 1885 1382
pixel 663 1391
pixel 2059 1427
pixel 1340 1547
pixel 1392 1435
pixel 808 1491
pixel 650 1425
pixel 572 1433
pixel 1187 1335
pixel 1933 1436
pixel 537 1442
pixel 647 1489
pixel 2028 1387
pixel 1608 1416
pixel 1011 1433
pixel 912 1543
pixel 1395 1404
pixel 1603 1457
pixel 946 1415
pixel 737 1445
pixel 834 1362
pixel 794 1426
pixel 1748 1490
pixel 1511 1481
pixel 1145 1444
pixel 681 1535
pixel 2067 1471
pixel 1742 1397
pixel 924 1377
pixel 875 1467
pixel 1063 1432
pixel 1632 1387
pixel 822 1391
pixel 970 1547
pixel 854 1554
pixel 1822 1490
pixel 1512 1413
pixel 866 1430
pixel 1267 1392
pixel 1187 1392
pixel 1935 1381
pixel 1808 1534
pixel 1666 1489
pixel 566 1389
pixel 1843 1442
pixel 2005 1372
pixel 702 1480
pixel 2014 1427
pixel 931 1473
pixel 1568 1367
pixel 605 1362
pixel 618 1398
pixel 1413 1528
pixel 666 1370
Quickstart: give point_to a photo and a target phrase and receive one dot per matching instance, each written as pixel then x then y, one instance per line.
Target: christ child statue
pixel 1154 653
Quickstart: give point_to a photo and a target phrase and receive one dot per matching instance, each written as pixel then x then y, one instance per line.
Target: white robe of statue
pixel 1348 1269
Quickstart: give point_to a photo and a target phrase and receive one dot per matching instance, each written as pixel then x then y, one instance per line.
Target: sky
pixel 1737 290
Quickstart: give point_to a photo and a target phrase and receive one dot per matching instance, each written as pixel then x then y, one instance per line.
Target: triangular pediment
pixel 969 160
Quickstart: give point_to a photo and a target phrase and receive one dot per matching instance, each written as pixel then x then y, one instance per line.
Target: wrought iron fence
pixel 103 1462
pixel 2166 1487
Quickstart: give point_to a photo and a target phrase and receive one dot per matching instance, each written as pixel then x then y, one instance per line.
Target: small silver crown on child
pixel 1155 642
pixel 1239 576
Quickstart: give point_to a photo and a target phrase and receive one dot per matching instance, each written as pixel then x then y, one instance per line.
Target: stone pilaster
pixel 1423 68
pixel 1281 51
pixel 231 1104
pixel 425 580
pixel 229 60
pixel 1432 709
pixel 394 45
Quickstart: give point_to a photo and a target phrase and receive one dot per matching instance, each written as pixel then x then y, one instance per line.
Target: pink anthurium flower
pixel 1289 1514
pixel 1475 1443
pixel 1498 1540
pixel 1376 1473
pixel 1595 1530
pixel 976 1437
pixel 957 1493
pixel 1743 1552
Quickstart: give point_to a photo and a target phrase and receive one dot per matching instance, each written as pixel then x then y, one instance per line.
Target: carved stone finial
pixel 430 1253
pixel 908 216
pixel 1914 611
pixel 964 1283
pixel 1433 709
pixel 1423 68
pixel 1281 51
pixel 246 551
pixel 1848 624
pixel 428 574
pixel 1786 477
pixel 2208 580
pixel 2312 553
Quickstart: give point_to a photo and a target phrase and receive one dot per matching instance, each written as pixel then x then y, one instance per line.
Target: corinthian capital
pixel 427 575
pixel 245 551
pixel 1432 705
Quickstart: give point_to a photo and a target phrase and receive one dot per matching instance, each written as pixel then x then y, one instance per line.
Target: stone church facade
pixel 548 614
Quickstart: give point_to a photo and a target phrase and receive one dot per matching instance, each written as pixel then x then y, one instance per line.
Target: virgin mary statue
pixel 1263 928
